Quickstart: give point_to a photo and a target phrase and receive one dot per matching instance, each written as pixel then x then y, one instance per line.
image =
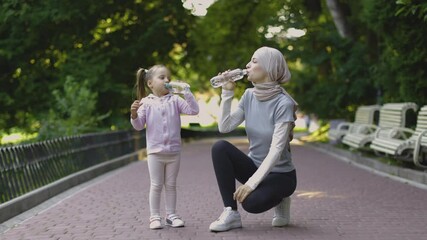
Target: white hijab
pixel 273 62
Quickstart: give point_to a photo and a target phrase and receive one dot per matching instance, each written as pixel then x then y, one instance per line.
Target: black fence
pixel 26 167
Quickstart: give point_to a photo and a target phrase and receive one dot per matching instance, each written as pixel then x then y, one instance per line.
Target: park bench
pixel 365 115
pixel 391 115
pixel 407 143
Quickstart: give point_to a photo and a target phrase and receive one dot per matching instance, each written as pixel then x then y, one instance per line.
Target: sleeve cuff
pixel 227 93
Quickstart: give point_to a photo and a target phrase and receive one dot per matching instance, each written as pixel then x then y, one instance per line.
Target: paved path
pixel 334 200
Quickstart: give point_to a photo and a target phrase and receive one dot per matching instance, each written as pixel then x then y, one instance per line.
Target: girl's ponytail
pixel 141 75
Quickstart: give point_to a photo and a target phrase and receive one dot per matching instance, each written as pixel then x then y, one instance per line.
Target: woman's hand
pixel 134 108
pixel 291 133
pixel 241 193
pixel 229 86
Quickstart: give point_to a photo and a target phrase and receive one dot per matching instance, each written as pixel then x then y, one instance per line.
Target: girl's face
pixel 256 73
pixel 157 82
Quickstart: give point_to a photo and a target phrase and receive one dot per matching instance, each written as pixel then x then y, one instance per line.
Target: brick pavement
pixel 334 200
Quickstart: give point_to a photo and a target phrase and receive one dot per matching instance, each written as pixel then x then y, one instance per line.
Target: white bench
pixel 402 146
pixel 365 115
pixel 420 150
pixel 392 115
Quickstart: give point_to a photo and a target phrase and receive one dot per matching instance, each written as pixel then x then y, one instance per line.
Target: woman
pixel 267 173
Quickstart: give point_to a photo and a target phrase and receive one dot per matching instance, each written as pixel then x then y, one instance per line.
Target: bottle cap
pixel 168 86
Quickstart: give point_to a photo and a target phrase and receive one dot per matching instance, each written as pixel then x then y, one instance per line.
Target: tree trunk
pixel 339 17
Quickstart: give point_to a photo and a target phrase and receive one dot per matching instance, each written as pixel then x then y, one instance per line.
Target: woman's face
pixel 157 82
pixel 256 73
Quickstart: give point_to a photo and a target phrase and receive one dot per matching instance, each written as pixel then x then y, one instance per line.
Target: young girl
pixel 160 113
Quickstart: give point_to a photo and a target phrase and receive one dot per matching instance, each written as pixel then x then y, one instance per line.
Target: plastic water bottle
pixel 230 76
pixel 177 87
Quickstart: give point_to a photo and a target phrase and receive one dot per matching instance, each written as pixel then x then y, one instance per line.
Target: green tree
pixel 352 53
pixel 400 69
pixel 100 42
pixel 73 112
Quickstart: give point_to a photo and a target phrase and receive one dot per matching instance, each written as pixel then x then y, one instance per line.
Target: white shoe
pixel 155 222
pixel 229 219
pixel 282 213
pixel 174 220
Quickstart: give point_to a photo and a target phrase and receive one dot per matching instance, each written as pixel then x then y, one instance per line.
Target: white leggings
pixel 163 169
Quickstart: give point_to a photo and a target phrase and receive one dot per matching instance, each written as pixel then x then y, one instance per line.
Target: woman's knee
pixel 220 145
pixel 218 149
pixel 257 204
pixel 251 207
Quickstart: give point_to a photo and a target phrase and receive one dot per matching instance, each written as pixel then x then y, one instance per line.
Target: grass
pixel 17 138
pixel 320 135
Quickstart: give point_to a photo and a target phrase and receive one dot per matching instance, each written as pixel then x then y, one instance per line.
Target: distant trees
pixel 351 53
pixel 99 43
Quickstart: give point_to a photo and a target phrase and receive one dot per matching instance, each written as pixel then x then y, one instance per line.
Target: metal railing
pixel 26 167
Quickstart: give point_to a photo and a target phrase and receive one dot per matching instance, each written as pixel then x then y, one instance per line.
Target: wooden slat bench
pixel 392 115
pixel 402 146
pixel 365 115
pixel 420 150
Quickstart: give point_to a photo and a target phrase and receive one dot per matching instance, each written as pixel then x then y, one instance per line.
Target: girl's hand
pixel 134 108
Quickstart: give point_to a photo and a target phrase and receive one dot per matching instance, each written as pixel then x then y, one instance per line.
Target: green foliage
pixel 386 61
pixel 400 70
pixel 73 112
pixel 412 7
pixel 225 39
pixel 102 44
pixel 329 73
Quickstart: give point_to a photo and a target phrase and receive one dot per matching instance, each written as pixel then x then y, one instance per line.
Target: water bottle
pixel 230 76
pixel 177 87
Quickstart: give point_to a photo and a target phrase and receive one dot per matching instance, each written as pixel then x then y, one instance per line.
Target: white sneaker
pixel 155 222
pixel 174 220
pixel 229 219
pixel 282 213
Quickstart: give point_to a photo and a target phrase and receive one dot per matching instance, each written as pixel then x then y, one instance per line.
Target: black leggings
pixel 230 164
